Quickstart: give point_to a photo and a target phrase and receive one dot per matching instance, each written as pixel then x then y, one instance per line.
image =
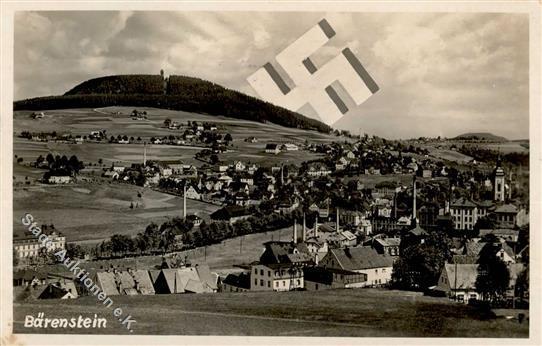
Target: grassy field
pixel 95 212
pixel 344 313
pixel 82 121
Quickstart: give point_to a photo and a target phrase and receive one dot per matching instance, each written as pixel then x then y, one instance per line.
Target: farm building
pixel 361 259
pixel 236 282
pixel 198 279
pixel 59 179
pixel 129 282
pixel 320 278
pixel 272 148
pixel 59 290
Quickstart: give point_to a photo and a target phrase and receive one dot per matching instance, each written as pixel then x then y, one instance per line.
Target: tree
pixel 420 264
pixel 167 122
pixel 228 137
pixel 213 159
pixel 15 257
pixel 493 276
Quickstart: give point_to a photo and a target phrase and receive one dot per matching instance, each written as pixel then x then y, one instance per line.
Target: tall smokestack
pixel 414 198
pixel 304 228
pixel 337 221
pixel 184 201
pixel 144 154
pixel 316 227
pixel 295 231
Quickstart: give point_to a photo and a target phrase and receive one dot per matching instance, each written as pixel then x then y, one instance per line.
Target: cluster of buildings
pixel 27 245
pixel 116 281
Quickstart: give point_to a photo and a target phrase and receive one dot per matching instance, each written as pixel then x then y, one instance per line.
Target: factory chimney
pixel 304 228
pixel 184 201
pixel 295 231
pixel 337 221
pixel 414 199
pixel 144 154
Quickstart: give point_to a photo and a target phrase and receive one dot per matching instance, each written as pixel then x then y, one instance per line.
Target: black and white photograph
pixel 319 172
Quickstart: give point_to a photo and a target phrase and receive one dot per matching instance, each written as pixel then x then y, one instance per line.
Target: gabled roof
pixel 361 257
pixel 473 248
pixel 229 211
pixel 106 281
pixel 52 291
pixel 461 276
pixel 241 280
pixel 506 208
pixel 418 231
pixel 389 241
pixel 281 252
pixel 463 203
pixel 208 279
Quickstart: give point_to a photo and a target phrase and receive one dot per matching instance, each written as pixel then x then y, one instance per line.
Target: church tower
pixel 498 184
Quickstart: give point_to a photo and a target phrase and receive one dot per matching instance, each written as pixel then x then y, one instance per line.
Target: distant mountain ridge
pixel 484 136
pixel 175 92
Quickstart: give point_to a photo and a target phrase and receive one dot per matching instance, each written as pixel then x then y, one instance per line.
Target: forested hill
pixel 176 92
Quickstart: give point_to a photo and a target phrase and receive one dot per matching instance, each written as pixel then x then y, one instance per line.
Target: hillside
pixel 482 136
pixel 176 93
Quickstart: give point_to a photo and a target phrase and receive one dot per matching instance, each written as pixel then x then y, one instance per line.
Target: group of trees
pixel 60 165
pixel 420 263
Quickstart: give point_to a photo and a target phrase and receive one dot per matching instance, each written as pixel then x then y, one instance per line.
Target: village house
pixel 290 147
pixel 29 277
pixel 318 170
pixel 236 282
pixel 197 279
pixel 124 282
pixel 361 259
pixel 387 246
pixel 458 281
pixel 192 192
pixel 272 148
pixel 29 246
pixel 61 289
pixel 280 267
pixel 319 278
pixel 239 166
pixel 505 215
pixel 59 179
pixel 464 213
pixel 231 214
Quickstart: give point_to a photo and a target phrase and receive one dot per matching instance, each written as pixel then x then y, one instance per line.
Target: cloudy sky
pixel 439 74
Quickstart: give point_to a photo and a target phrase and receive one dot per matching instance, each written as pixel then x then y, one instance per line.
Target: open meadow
pixel 92 212
pixel 341 313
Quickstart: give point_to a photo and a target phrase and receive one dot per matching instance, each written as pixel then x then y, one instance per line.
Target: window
pixel 261 282
pixel 276 284
pixel 316 287
pixel 376 271
pixel 283 283
pixel 298 282
pixel 261 272
pixel 255 282
pixel 269 273
pixel 255 270
pixel 268 283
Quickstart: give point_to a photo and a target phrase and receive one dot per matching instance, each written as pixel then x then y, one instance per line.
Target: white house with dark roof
pixel 361 259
